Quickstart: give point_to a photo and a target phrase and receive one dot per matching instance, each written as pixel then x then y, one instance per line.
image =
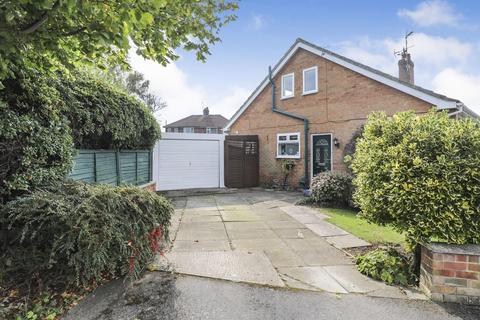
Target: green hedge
pixel 103 116
pixel 36 146
pixel 332 188
pixel 75 233
pixel 421 174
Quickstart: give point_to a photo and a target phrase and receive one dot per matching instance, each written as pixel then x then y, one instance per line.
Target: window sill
pixel 288 157
pixel 286 98
pixel 309 92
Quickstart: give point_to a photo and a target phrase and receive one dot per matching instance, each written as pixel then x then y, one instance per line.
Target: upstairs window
pixel 212 130
pixel 310 80
pixel 288 145
pixel 287 85
pixel 188 130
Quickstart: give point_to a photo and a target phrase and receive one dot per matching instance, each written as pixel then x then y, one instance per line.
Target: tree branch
pixel 40 21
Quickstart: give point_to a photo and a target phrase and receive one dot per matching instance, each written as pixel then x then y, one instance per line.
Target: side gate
pixel 241 161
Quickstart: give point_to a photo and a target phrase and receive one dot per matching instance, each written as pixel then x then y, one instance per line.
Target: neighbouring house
pixel 319 99
pixel 204 123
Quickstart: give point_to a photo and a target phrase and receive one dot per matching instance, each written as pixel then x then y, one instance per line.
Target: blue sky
pixel 446 49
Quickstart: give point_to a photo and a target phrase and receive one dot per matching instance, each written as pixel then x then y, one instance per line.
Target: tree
pixel 49 34
pixel 136 84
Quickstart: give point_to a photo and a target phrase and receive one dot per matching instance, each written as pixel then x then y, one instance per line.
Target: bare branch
pixel 39 22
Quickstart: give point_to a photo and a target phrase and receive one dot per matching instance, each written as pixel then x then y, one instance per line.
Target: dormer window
pixel 310 80
pixel 288 81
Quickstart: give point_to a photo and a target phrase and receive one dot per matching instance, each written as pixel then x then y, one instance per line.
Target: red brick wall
pixel 451 276
pixel 342 103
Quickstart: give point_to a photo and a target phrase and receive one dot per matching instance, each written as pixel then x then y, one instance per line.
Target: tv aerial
pixel 405 49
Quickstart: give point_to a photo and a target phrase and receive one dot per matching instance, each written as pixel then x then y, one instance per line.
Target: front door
pixel 322 153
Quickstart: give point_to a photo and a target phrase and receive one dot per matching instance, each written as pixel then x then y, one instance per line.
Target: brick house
pixel 319 99
pixel 204 123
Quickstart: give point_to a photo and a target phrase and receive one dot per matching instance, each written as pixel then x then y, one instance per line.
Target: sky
pixel 445 49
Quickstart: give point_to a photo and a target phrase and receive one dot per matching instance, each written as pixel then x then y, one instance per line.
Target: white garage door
pixel 186 161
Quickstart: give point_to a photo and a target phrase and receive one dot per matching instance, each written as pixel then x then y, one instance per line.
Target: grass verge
pixel 348 220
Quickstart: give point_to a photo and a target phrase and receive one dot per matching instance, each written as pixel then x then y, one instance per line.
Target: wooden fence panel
pixel 112 167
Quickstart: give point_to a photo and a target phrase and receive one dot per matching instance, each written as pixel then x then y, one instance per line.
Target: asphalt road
pixel 164 296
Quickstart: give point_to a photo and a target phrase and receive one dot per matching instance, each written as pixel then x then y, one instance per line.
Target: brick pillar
pixel 451 273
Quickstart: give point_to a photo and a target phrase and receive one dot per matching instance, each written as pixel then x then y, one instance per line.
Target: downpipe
pixel 305 179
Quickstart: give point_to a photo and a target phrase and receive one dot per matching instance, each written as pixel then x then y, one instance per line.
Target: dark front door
pixel 322 153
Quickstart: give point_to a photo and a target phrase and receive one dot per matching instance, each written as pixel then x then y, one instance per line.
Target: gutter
pixel 305 181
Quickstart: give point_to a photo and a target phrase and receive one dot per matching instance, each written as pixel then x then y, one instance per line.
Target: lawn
pixel 375 234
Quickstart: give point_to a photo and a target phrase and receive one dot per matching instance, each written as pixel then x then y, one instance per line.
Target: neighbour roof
pixel 200 121
pixel 438 100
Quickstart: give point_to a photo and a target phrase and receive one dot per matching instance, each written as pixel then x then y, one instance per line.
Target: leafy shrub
pixel 332 188
pixel 35 141
pixel 386 265
pixel 421 175
pixel 76 233
pixel 103 116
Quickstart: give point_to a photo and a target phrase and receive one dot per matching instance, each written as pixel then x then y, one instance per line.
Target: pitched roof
pixel 200 121
pixel 438 100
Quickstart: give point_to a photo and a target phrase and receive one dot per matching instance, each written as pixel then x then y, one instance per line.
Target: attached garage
pixel 188 160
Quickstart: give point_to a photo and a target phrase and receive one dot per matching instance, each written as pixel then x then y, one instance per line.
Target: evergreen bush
pixel 421 175
pixel 74 233
pixel 334 188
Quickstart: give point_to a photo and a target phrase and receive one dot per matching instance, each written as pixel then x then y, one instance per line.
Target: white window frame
pixel 209 129
pixel 281 156
pixel 293 86
pixel 316 80
pixel 191 130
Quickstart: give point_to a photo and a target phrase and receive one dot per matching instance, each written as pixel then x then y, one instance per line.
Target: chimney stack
pixel 205 111
pixel 405 68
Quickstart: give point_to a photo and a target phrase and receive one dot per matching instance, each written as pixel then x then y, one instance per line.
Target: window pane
pixel 310 80
pixel 287 86
pixel 294 137
pixel 288 149
pixel 282 138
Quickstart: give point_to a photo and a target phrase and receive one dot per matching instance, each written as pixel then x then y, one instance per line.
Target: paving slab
pixel 246 225
pixel 201 234
pixel 352 280
pixel 283 258
pixel 285 225
pixel 251 234
pixel 316 252
pixel 258 244
pixel 295 233
pixel 201 218
pixel 200 245
pixel 273 215
pixel 325 229
pixel 209 212
pixel 347 241
pixel 314 276
pixel 299 210
pixel 233 265
pixel 239 216
pixel 202 226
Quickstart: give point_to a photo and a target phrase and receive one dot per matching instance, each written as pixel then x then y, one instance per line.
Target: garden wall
pixel 451 273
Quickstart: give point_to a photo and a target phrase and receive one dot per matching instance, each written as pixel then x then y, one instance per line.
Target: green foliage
pixel 35 140
pixel 103 116
pixel 386 265
pixel 332 188
pixel 74 233
pixel 421 175
pixel 50 33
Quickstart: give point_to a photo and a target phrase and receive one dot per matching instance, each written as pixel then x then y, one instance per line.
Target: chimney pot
pixel 205 111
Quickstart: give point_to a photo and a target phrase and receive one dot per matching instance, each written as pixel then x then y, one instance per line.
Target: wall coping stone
pixel 465 249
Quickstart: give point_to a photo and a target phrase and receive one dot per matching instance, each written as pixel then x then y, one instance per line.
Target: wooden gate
pixel 241 161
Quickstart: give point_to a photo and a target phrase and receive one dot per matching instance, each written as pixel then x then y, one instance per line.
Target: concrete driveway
pixel 261 237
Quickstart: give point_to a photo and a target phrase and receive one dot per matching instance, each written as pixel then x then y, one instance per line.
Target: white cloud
pixel 465 87
pixel 183 97
pixel 431 13
pixel 257 22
